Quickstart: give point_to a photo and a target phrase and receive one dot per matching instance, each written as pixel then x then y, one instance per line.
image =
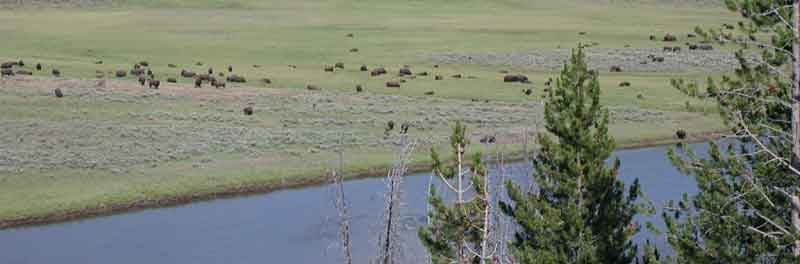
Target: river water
pixel 290 226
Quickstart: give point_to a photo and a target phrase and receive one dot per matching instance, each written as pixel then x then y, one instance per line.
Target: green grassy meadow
pixel 307 34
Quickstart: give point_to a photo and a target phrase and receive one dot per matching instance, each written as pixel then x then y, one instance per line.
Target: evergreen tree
pixel 458 232
pixel 581 212
pixel 747 209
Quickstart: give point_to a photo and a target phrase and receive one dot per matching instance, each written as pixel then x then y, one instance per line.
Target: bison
pixel 198 83
pixel 404 71
pixel 24 72
pixel 616 68
pixel 236 79
pixel 266 80
pixel 681 134
pixel 515 78
pixel 430 93
pixel 58 92
pixel 8 65
pixel 393 84
pixel 121 73
pixel 328 68
pixel 624 84
pixel 339 65
pixel 172 80
pixel 142 80
pixel 354 50
pixel 187 74
pixel 438 78
pixel 154 84
pixel 6 72
pixel 230 68
pixel 137 71
pixel 670 38
pixel 377 72
pixel 359 88
pixel 248 111
pixel 172 65
pixel 364 68
pixel 38 66
pixel 144 63
pixel 312 87
pixel 56 72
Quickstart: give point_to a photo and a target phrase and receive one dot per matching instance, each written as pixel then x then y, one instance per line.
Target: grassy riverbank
pixel 117 146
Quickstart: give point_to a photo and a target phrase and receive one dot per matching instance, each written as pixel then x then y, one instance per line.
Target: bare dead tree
pixel 337 178
pixel 389 240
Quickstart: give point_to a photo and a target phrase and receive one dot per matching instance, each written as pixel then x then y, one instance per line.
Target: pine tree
pixel 581 212
pixel 747 209
pixel 458 232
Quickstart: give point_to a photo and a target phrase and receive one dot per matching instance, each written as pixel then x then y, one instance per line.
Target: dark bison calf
pixel 393 84
pixel 58 92
pixel 248 111
pixel 377 71
pixel 681 134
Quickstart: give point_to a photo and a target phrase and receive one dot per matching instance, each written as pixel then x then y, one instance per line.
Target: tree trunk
pixel 795 102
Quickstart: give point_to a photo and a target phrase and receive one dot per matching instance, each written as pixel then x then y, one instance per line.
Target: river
pixel 290 226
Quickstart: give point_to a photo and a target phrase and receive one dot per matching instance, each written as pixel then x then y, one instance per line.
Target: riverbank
pixel 266 187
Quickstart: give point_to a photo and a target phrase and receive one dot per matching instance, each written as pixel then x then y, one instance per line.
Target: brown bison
pixel 359 88
pixel 377 72
pixel 516 78
pixel 154 84
pixel 328 68
pixel 438 78
pixel 142 80
pixel 8 65
pixel 404 71
pixel 56 72
pixel 6 72
pixel 236 79
pixel 430 93
pixel 187 74
pixel 457 76
pixel 670 38
pixel 393 84
pixel 204 77
pixel 364 68
pixel 616 68
pixel 21 63
pixel 230 68
pixel 681 134
pixel 172 80
pixel 58 92
pixel 625 84
pixel 339 65
pixel 312 87
pixel 121 73
pixel 354 50
pixel 172 65
pixel 528 91
pixel 137 71
pixel 248 111
pixel 266 80
pixel 144 63
pixel 38 66
pixel 198 83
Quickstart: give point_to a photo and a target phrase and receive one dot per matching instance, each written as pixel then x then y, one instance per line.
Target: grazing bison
pixel 121 73
pixel 58 92
pixel 204 77
pixel 349 35
pixel 266 80
pixel 652 37
pixel 389 125
pixel 430 93
pixel 488 140
pixel 528 91
pixel 38 66
pixel 438 77
pixel 359 88
pixel 172 65
pixel 98 62
pixel 199 63
pixel 681 134
pixel 624 84
pixel 377 71
pixel 198 83
pixel 218 84
pixel 364 68
pixel 457 76
pixel 6 72
pixel 515 78
pixel 187 74
pixel 24 72
pixel 154 84
pixel 248 111
pixel 354 50
pixel 21 63
pixel 328 68
pixel 616 68
pixel 236 79
pixel 404 128
pixel 393 84
pixel 670 38
pixel 658 59
pixel 691 35
pixel 404 71
pixel 144 63
pixel 142 80
pixel 230 68
pixel 172 80
pixel 423 74
pixel 56 72
pixel 702 46
pixel 210 71
pixel 339 65
pixel 312 87
pixel 149 73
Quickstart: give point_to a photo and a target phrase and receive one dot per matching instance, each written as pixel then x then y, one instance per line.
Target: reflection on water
pixel 292 226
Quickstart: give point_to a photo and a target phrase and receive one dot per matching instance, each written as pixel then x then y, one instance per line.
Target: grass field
pixel 120 143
